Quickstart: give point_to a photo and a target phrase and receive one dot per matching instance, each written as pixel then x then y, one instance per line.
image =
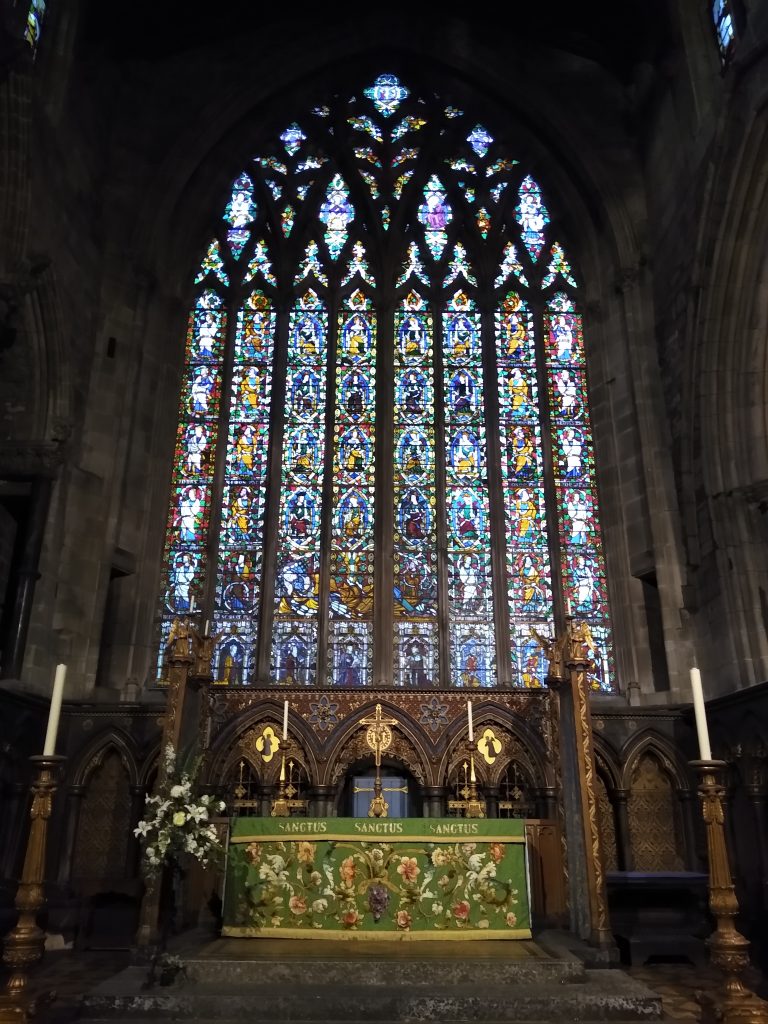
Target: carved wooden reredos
pixel 429 737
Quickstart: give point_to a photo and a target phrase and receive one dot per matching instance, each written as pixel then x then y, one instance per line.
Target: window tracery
pixel 433 372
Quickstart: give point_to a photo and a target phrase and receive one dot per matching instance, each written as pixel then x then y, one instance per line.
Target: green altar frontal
pixel 347 878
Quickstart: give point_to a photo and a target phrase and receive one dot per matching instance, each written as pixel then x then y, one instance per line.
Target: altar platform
pixel 320 982
pixel 400 879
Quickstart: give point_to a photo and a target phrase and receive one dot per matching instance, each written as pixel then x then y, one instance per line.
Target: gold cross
pixel 379 735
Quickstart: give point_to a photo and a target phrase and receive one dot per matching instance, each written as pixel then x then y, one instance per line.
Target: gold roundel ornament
pixel 379 735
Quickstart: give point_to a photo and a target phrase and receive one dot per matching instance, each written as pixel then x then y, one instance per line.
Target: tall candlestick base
pixel 728 949
pixel 475 807
pixel 24 945
pixel 280 808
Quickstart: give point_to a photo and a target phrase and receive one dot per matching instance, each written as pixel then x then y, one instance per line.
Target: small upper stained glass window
pixel 722 18
pixel 387 94
pixel 479 140
pixel 34 25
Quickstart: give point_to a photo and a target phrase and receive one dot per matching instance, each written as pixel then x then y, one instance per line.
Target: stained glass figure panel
pixel 238 581
pixel 415 661
pixel 354 477
pixel 532 216
pixel 297 575
pixel 185 557
pixel 435 214
pixel 529 576
pixel 415 496
pixel 468 556
pixel 582 561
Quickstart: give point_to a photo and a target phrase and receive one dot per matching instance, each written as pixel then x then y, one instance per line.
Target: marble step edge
pixel 413 1005
pixel 418 972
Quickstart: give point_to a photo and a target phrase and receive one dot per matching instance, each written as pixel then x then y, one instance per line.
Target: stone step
pixel 602 996
pixel 411 971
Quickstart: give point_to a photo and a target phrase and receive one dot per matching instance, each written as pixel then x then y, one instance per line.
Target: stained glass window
pixel 34 24
pixel 382 486
pixel 470 601
pixel 722 19
pixel 415 497
pixel 350 648
pixel 297 570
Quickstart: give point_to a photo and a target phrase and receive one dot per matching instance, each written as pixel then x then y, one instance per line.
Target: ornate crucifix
pixel 378 737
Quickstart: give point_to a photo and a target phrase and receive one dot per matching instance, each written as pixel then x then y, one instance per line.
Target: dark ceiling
pixel 618 34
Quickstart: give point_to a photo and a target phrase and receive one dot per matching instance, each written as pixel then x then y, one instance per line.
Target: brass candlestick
pixel 280 808
pixel 475 807
pixel 25 944
pixel 729 950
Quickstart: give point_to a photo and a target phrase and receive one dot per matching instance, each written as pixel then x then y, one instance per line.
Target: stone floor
pixel 70 975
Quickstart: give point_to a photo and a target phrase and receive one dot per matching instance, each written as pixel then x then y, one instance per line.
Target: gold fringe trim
pixel 231 931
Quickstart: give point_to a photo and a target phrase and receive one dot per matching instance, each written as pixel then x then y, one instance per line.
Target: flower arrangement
pixel 177 824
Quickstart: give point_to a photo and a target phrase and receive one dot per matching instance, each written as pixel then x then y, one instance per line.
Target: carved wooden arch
pixel 407 747
pixel 150 765
pixel 233 742
pixel 92 757
pixel 513 730
pixel 651 742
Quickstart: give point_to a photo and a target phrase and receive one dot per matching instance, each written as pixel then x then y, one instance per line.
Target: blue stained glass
pixel 365 124
pixel 34 25
pixel 722 17
pixel 337 212
pixel 292 139
pixel 435 214
pixel 532 216
pixel 310 264
pixel 479 140
pixel 386 94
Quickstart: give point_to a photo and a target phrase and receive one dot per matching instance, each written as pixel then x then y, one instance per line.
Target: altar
pixel 397 879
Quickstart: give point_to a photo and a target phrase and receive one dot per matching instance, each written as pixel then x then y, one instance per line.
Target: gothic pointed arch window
pixel 722 21
pixel 389 478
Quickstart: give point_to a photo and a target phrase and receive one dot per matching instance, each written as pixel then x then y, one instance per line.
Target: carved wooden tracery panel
pixel 607 824
pixel 101 849
pixel 653 823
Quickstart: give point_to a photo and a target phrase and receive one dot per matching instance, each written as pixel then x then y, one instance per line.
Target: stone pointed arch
pixel 652 742
pixel 93 754
pixel 229 743
pixel 408 747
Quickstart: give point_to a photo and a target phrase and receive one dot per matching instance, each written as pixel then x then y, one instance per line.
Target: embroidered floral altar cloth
pixel 407 878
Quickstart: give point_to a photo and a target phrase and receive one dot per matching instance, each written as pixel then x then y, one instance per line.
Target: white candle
pixel 55 711
pixel 207 630
pixel 470 723
pixel 705 751
pixel 285 721
pixel 191 604
pixel 568 607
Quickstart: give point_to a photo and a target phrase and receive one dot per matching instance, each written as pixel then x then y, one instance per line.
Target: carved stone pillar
pixel 27 576
pixel 434 801
pixel 71 822
pixel 546 797
pixel 320 801
pixel 267 794
pixel 624 854
pixel 491 801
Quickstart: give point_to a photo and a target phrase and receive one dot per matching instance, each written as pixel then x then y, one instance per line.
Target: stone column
pixel 320 799
pixel 433 801
pixel 547 798
pixel 71 822
pixel 27 576
pixel 624 853
pixel 492 801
